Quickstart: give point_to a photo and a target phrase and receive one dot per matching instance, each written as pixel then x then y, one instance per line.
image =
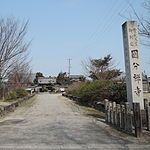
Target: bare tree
pixel 20 74
pixel 144 22
pixel 12 44
pixel 13 53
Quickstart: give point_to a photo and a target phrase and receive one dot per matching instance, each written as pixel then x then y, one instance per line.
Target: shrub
pixel 11 96
pixel 21 92
pixel 17 93
pixel 91 92
pixel 118 92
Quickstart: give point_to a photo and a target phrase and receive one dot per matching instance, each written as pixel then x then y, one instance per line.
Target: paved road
pixel 54 122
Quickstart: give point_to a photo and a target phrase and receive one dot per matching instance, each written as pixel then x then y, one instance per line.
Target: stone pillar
pixel 132 63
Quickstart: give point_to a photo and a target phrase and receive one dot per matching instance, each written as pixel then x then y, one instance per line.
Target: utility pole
pixel 69 66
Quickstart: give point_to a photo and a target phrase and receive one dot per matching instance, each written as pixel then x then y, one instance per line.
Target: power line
pixel 99 24
pixel 107 21
pixel 112 19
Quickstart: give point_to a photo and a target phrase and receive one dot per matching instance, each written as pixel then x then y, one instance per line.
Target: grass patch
pixel 15 94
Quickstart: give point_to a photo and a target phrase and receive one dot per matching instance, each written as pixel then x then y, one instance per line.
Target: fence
pixel 97 105
pixel 122 117
pixel 129 120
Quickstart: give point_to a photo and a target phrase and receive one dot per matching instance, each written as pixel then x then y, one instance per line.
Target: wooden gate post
pixel 118 115
pixel 146 103
pixel 147 108
pixel 106 110
pixel 128 118
pixel 148 117
pixel 137 119
pixel 114 113
pixel 109 111
pixel 122 117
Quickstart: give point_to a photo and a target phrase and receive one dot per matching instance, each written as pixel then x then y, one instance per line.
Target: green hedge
pixel 98 91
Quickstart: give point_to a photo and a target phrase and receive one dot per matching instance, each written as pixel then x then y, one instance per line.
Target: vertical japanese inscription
pixel 132 63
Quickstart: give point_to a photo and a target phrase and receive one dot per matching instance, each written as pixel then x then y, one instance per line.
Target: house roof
pixel 46 80
pixel 76 76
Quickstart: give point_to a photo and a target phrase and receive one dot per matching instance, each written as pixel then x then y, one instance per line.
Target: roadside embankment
pixel 97 105
pixel 6 107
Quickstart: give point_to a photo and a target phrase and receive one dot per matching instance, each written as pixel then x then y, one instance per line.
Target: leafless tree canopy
pixel 145 21
pixel 14 60
pixel 12 44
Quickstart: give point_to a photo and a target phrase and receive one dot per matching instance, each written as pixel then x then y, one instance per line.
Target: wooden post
pixel 122 117
pixel 137 119
pixel 109 112
pixel 145 103
pixel 118 115
pixel 148 118
pixel 114 113
pixel 128 118
pixel 147 108
pixel 106 110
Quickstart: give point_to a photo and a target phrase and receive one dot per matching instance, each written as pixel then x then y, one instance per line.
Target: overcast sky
pixel 76 29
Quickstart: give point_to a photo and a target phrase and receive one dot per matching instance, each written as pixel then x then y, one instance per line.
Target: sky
pixel 74 29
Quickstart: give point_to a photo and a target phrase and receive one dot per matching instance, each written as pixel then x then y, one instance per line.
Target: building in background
pixel 46 83
pixel 76 78
pixel 46 80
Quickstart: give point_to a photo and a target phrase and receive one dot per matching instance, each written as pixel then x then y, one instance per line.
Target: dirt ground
pixel 50 121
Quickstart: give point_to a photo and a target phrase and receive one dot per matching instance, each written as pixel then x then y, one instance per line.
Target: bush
pixel 17 93
pixel 21 92
pixel 91 92
pixel 118 92
pixel 11 96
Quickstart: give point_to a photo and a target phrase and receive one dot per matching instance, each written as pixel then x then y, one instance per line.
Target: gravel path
pixel 54 122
